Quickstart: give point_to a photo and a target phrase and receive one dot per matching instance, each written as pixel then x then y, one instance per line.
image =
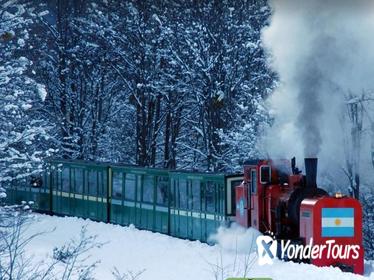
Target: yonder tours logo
pixel 267 248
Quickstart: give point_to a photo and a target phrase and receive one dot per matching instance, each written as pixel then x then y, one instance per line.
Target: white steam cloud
pixel 322 51
pixel 236 239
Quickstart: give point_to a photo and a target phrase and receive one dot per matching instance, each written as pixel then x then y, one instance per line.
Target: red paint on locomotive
pixel 311 228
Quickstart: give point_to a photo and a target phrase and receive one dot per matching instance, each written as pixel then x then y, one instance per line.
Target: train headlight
pixel 339 195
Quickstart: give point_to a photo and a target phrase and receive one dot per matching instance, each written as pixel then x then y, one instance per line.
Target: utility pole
pixel 372 143
pixel 355 113
pixel 367 99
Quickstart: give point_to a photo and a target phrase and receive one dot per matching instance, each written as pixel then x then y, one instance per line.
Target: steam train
pixel 271 196
pixel 275 197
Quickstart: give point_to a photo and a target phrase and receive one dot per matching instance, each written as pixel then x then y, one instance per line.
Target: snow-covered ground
pixel 166 258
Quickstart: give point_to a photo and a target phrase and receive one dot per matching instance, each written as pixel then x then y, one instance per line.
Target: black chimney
pixel 311 172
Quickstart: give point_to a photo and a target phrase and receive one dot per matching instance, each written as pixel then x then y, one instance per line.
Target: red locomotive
pixel 275 197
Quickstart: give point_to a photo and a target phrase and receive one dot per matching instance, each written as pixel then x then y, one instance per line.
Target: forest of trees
pixel 172 84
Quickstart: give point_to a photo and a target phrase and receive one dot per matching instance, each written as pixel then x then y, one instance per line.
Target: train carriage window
pixel 196 195
pixel 85 176
pixel 253 181
pixel 189 194
pixel 72 180
pixel 148 188
pixel 45 180
pixel 102 184
pixel 56 182
pixel 162 190
pixel 210 196
pixel 265 174
pixel 78 180
pixel 65 180
pixel 182 192
pixel 139 187
pixel 173 193
pixel 92 182
pixel 117 184
pixel 220 198
pixel 105 183
pixel 130 186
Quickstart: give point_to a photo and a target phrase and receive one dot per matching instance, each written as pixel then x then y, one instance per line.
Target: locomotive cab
pixel 263 179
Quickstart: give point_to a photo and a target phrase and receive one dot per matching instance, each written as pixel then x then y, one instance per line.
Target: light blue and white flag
pixel 337 222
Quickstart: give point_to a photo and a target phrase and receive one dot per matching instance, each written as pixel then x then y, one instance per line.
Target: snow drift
pixel 159 256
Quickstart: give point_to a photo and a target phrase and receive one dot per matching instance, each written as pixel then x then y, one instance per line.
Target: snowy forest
pixel 162 84
pixel 184 85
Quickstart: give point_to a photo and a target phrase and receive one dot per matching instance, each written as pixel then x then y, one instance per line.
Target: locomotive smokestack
pixel 311 172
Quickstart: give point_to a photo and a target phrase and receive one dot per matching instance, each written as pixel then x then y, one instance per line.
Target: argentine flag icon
pixel 337 222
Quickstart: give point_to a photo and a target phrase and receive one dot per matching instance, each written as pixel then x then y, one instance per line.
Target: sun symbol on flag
pixel 338 221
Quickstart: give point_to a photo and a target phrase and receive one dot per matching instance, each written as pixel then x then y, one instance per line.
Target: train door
pixel 244 199
pixel 162 203
pixel 139 219
pixel 189 218
pixel 253 198
pixel 176 203
pixel 242 205
pixel 61 190
pixel 94 194
pixel 231 184
pixel 260 177
pixel 125 199
pixel 179 212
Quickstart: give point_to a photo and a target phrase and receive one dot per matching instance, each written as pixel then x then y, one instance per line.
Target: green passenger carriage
pixel 178 203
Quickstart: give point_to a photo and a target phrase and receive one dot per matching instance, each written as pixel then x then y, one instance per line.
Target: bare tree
pixel 355 110
pixel 68 262
pixel 240 266
pixel 129 275
pixel 73 256
pixel 14 222
pixel 359 120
